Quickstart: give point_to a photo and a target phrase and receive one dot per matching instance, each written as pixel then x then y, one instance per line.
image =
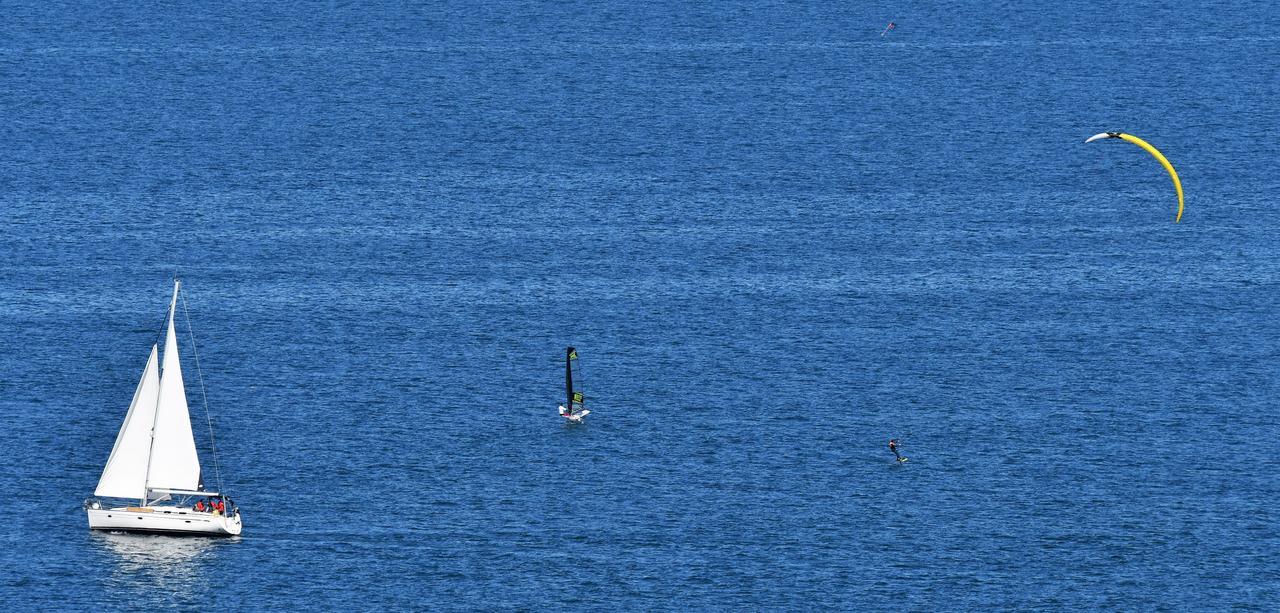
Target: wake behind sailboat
pixel 154 459
pixel 573 410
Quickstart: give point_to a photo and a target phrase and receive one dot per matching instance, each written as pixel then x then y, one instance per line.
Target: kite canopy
pixel 1177 185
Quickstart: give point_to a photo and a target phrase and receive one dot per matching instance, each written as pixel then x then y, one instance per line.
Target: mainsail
pixel 574 402
pixel 174 463
pixel 125 475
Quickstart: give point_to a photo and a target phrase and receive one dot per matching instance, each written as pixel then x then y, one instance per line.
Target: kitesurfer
pixel 893 446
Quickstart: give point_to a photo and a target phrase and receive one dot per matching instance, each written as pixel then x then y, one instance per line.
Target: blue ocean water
pixel 776 238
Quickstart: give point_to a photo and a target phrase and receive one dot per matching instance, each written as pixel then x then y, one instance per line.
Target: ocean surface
pixel 777 239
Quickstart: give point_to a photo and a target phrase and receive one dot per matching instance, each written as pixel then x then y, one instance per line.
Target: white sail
pixel 125 475
pixel 174 464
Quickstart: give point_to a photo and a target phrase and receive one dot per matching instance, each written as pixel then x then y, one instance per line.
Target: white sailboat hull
pixel 164 520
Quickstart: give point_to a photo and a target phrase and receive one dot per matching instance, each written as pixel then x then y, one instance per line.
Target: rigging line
pixel 217 471
pixel 160 336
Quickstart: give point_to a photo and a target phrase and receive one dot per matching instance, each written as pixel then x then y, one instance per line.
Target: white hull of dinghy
pixel 574 418
pixel 164 520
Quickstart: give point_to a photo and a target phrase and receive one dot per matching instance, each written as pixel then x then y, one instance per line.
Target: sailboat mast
pixel 146 488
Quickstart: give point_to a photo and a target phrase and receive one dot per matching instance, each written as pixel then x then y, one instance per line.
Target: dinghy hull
pixel 164 520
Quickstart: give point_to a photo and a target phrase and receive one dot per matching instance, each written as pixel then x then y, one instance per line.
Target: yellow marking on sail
pixel 573 355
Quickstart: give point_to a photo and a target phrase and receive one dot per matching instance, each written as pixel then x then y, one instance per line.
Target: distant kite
pixel 1153 151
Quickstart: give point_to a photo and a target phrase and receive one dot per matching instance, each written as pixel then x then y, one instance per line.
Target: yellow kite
pixel 1153 151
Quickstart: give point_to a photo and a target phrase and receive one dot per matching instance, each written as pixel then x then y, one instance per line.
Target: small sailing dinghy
pixel 154 460
pixel 574 411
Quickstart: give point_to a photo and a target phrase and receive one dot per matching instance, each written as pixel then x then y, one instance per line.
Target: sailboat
pixel 154 459
pixel 573 409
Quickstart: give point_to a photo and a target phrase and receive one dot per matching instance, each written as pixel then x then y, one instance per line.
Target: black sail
pixel 569 356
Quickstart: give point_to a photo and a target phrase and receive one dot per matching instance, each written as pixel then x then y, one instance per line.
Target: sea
pixel 778 233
